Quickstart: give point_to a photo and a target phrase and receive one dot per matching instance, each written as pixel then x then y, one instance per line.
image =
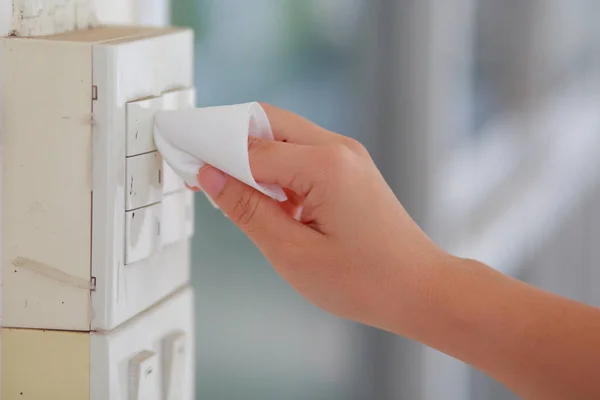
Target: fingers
pixel 257 215
pixel 285 164
pixel 292 128
pixel 293 206
pixel 299 167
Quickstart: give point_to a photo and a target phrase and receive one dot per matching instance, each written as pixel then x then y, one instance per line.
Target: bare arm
pixel 356 253
pixel 540 345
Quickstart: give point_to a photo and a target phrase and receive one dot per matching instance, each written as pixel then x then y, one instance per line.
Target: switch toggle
pixel 175 353
pixel 171 181
pixel 142 232
pixel 140 125
pixel 144 381
pixel 177 217
pixel 140 118
pixel 179 99
pixel 144 180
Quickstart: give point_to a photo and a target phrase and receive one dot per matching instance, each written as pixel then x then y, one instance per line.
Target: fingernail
pixel 192 188
pixel 211 180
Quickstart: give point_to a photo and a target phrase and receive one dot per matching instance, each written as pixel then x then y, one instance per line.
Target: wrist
pixel 419 286
pixel 456 307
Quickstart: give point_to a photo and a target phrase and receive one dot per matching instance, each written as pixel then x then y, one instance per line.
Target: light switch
pixel 171 181
pixel 187 98
pixel 144 180
pixel 140 118
pixel 144 381
pixel 140 125
pixel 176 100
pixel 177 216
pixel 142 232
pixel 175 351
pixel 179 99
pixel 189 213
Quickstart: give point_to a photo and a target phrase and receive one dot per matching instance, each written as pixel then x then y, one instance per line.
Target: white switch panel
pixel 144 378
pixel 175 350
pixel 144 180
pixel 165 330
pixel 132 79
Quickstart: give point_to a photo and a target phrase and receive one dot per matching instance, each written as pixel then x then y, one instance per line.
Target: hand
pixel 344 242
pixel 352 247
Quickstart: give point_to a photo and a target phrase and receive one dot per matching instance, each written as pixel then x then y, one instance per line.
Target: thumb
pixel 257 215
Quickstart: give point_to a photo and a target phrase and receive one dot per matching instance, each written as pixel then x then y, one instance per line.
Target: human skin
pixel 345 243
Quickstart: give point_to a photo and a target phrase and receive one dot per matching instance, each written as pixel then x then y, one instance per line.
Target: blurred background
pixel 483 117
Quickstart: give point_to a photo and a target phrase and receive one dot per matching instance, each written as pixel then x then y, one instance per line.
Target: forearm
pixel 538 344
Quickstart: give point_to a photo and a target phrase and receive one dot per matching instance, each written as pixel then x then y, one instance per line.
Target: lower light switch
pixel 179 99
pixel 171 181
pixel 144 180
pixel 175 351
pixel 189 213
pixel 144 380
pixel 142 232
pixel 177 217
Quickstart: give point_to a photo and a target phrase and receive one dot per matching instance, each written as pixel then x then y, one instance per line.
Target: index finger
pixel 290 127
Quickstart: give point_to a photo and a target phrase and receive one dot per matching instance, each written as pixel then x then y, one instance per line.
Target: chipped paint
pixel 36 17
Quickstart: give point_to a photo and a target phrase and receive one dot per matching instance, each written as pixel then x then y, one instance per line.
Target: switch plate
pixel 111 352
pixel 159 71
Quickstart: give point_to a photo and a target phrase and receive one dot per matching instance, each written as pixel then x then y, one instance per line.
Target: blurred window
pixel 524 51
pixel 511 70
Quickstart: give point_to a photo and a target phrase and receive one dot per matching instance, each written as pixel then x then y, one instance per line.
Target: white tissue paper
pixel 189 139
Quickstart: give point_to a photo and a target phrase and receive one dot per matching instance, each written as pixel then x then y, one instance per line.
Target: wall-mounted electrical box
pixel 96 226
pixel 142 213
pixel 162 340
